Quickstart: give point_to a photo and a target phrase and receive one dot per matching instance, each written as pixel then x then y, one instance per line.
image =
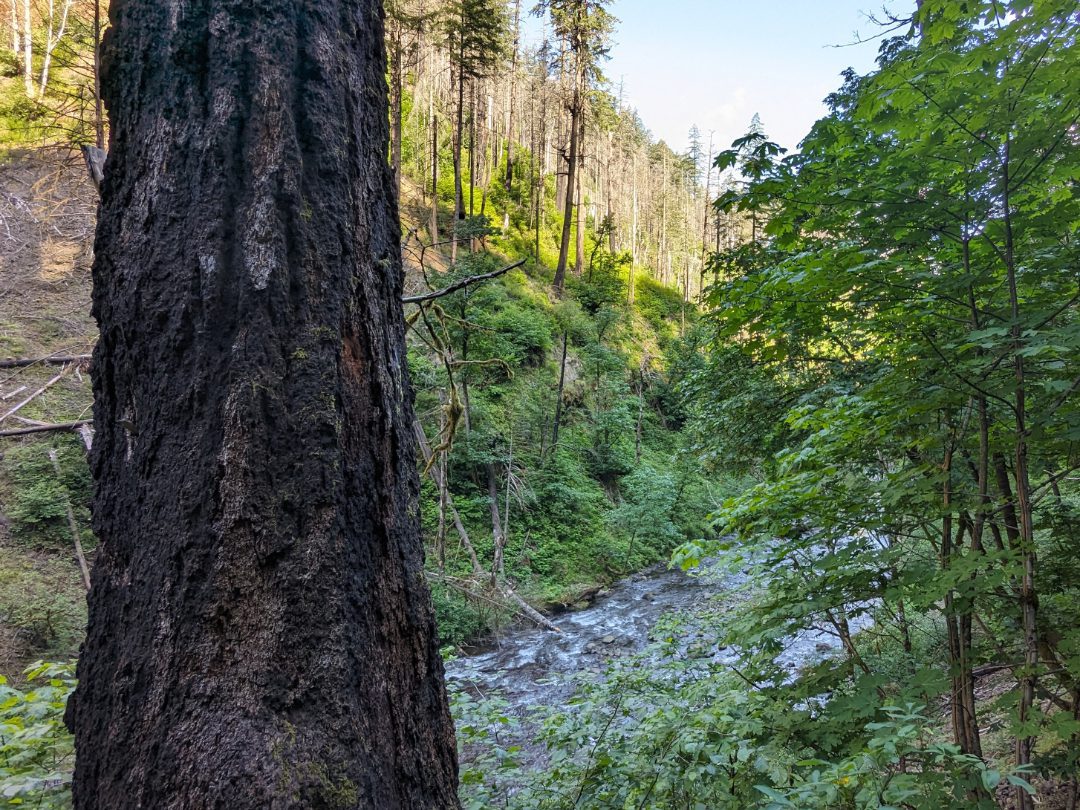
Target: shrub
pixel 37 753
pixel 37 505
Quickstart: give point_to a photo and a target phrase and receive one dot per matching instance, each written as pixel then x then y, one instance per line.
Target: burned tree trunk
pixel 260 632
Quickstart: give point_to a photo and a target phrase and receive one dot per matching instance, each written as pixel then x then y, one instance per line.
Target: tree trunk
pixel 16 44
pixel 472 149
pixel 459 137
pixel 260 633
pixel 28 50
pixel 571 177
pixel 53 37
pixel 396 89
pixel 663 219
pixel 99 107
pixel 1025 743
pixel 498 538
pixel 559 393
pixel 705 222
pixel 582 218
pixel 608 195
pixel 73 527
pixel 433 226
pixel 631 286
pixel 539 186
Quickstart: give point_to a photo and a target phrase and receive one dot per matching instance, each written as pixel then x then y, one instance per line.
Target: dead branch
pixel 502 587
pixel 72 525
pixel 460 285
pixel 18 390
pixel 47 428
pixel 36 394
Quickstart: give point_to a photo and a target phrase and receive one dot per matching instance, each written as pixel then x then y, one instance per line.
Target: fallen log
pixel 54 360
pixel 36 394
pixel 47 428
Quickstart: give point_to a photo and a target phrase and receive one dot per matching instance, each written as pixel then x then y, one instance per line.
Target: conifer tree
pixel 476 40
pixel 585 28
pixel 260 631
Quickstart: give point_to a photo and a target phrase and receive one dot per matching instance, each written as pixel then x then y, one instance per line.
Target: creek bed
pixel 529 666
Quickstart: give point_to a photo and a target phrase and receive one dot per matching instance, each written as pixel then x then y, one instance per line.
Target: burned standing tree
pixel 260 632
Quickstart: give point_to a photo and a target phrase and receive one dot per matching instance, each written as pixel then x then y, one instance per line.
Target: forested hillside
pixel 837 384
pixel 534 406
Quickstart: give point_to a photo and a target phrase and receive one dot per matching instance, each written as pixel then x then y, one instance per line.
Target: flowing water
pixel 525 664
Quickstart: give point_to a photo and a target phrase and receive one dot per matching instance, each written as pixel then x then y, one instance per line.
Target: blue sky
pixel 715 63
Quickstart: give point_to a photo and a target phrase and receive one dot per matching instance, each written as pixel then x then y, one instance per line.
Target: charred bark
pixel 260 632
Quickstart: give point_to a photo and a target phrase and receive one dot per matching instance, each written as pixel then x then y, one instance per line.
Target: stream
pixel 525 664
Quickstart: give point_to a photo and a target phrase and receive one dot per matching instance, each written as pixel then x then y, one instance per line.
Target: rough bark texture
pixel 261 635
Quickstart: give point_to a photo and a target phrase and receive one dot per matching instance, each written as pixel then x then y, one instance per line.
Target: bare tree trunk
pixel 459 137
pixel 958 624
pixel 16 43
pixel 559 393
pixel 501 587
pixel 1028 599
pixel 440 476
pixel 99 107
pixel 579 261
pixel 705 219
pixel 73 527
pixel 394 53
pixel 53 37
pixel 28 50
pixel 508 179
pixel 433 226
pixel 663 218
pixel 260 631
pixel 499 539
pixel 540 186
pixel 571 176
pixel 982 477
pixel 608 194
pixel 472 148
pixel 509 473
pixel 437 472
pixel 631 289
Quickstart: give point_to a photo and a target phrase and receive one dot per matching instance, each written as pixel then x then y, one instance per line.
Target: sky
pixel 715 63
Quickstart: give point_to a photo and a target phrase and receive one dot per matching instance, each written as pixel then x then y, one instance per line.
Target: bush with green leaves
pixel 38 499
pixel 491 765
pixel 659 304
pixel 645 516
pixel 460 615
pixel 679 727
pixel 37 753
pixel 901 764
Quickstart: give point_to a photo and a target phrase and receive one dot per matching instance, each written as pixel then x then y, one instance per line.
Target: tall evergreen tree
pixel 476 34
pixel 260 632
pixel 585 27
